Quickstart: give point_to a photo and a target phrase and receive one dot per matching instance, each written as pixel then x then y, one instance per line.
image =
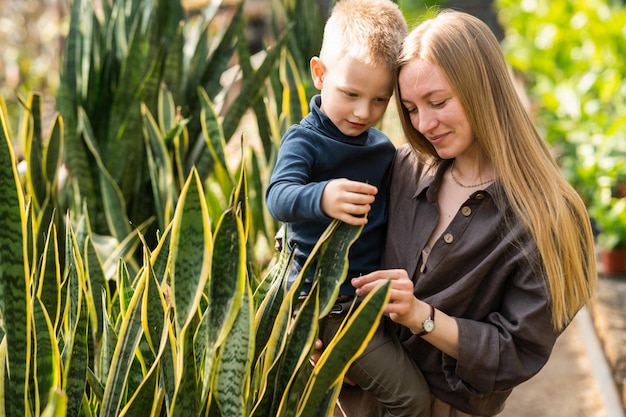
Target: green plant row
pixel 189 334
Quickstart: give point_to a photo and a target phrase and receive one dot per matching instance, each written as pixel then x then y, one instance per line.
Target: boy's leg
pixel 386 371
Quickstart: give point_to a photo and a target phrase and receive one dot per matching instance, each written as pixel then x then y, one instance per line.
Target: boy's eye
pixel 350 94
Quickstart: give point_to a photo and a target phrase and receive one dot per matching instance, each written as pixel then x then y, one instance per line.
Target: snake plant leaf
pixel 47 355
pixel 95 386
pixel 107 349
pixel 160 255
pixel 186 401
pixel 240 200
pixel 128 340
pixel 112 197
pixel 146 395
pixel 300 342
pixel 228 274
pixel 215 159
pixel 124 288
pixel 224 291
pixel 96 286
pixel 270 357
pixel 190 251
pixel 332 264
pixel 48 284
pixel 253 87
pixel 159 167
pixel 269 308
pixel 75 366
pixel 124 250
pixel 14 285
pixel 3 376
pixel 57 406
pixel 234 362
pixel 72 90
pixel 33 149
pixel 53 151
pixel 142 402
pixel 349 342
pixel 156 326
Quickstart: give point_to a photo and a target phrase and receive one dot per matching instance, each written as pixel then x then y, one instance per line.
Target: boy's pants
pixel 384 369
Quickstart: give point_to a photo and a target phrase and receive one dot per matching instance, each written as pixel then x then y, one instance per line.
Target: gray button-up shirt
pixel 485 271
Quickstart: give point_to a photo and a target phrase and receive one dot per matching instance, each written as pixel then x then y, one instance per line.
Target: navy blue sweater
pixel 311 154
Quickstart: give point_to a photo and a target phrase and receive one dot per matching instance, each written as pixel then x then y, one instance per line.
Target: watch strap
pixel 431 317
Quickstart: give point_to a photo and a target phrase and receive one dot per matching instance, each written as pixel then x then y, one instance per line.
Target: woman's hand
pixel 402 307
pixel 405 309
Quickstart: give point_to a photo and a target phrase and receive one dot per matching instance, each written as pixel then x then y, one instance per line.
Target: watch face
pixel 429 325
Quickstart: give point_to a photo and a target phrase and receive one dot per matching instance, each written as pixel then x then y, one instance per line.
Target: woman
pixel 489 249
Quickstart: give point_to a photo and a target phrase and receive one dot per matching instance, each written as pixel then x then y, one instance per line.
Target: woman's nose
pixel 426 121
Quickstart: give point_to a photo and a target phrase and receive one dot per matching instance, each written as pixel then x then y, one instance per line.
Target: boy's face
pixel 354 95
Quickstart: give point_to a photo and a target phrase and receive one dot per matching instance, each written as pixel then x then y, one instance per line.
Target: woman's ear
pixel 317 72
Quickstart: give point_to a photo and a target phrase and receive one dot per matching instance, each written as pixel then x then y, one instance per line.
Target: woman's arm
pixel 405 309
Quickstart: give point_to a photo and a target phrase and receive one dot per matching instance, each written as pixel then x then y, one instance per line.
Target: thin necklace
pixel 463 185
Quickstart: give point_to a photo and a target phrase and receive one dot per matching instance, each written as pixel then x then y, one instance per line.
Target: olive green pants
pixel 384 369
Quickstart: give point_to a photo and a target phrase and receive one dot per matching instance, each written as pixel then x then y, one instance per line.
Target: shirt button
pixel 448 238
pixel 466 211
pixel 480 196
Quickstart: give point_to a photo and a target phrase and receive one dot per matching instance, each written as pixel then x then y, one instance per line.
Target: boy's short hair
pixel 370 31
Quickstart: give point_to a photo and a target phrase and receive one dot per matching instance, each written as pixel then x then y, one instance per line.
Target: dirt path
pixel 564 387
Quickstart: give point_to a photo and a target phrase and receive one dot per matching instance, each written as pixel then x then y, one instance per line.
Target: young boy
pixel 334 164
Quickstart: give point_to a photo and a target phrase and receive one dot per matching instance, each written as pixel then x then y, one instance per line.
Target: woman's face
pixel 434 108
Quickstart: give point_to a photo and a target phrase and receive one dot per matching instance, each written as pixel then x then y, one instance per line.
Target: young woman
pixel 489 249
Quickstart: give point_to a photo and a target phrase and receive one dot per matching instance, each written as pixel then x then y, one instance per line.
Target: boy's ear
pixel 317 72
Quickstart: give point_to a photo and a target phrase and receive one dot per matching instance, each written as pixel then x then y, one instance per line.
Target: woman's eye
pixel 438 104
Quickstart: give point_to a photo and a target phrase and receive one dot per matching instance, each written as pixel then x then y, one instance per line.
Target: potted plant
pixel 610 216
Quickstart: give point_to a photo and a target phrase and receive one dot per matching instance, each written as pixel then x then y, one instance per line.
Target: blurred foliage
pixel 572 56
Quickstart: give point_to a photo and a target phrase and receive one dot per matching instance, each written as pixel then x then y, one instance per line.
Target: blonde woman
pixel 489 249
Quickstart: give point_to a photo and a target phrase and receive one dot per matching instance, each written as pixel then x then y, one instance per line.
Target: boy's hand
pixel 348 201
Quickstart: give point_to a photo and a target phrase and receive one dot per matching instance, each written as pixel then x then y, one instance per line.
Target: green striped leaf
pixel 98 297
pixel 346 346
pixel 332 264
pixel 128 341
pixel 112 198
pixel 160 167
pixel 75 368
pixel 14 286
pixel 49 281
pixel 301 338
pixel 190 251
pixel 47 355
pixel 185 402
pixel 228 274
pixel 215 159
pixel 252 87
pixel 33 149
pixel 234 363
pixel 57 406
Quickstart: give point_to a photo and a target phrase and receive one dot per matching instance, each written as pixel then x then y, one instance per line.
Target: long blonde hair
pixel 470 55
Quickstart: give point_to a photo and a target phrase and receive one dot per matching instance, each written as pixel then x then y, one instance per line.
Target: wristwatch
pixel 428 325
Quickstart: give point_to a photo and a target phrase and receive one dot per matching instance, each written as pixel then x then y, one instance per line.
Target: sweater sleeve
pixel 290 195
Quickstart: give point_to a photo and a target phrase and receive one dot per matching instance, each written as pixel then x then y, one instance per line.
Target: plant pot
pixel 614 261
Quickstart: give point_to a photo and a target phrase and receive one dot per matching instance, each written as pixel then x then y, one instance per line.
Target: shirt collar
pixel 431 179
